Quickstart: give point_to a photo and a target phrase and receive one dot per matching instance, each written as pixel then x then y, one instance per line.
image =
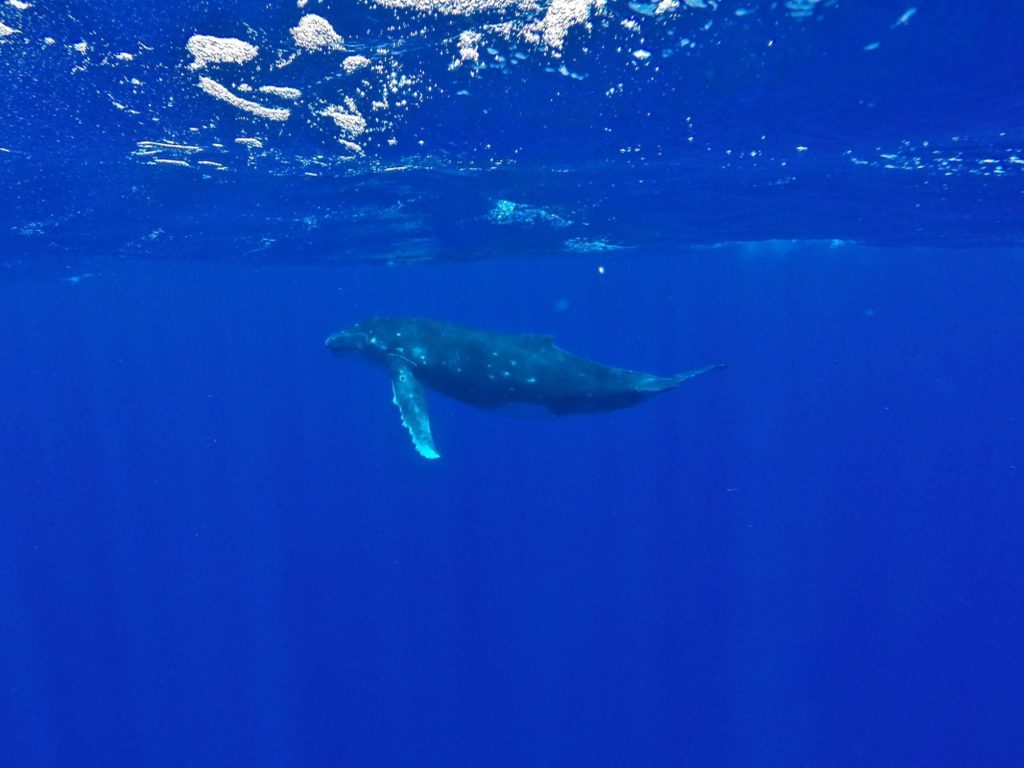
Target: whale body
pixel 489 370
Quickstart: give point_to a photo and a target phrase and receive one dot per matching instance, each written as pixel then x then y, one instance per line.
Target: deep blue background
pixel 219 548
pixel 217 545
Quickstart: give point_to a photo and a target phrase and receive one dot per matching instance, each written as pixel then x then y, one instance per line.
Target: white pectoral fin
pixel 412 403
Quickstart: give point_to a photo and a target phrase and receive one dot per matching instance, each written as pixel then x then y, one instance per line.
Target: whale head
pixel 352 339
pixel 363 338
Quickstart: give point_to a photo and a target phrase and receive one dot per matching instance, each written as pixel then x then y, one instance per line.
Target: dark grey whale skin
pixel 489 369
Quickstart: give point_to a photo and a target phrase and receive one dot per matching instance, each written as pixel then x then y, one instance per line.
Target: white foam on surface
pixel 457 7
pixel 561 16
pixel 351 146
pixel 249 141
pixel 21 6
pixel 350 122
pixel 6 31
pixel 352 63
pixel 168 145
pixel 584 245
pixel 281 91
pixel 218 91
pixel 387 79
pixel 207 49
pixel 468 52
pixel 315 33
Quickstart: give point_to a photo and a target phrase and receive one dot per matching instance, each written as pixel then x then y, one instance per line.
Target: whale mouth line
pixel 403 358
pixel 347 338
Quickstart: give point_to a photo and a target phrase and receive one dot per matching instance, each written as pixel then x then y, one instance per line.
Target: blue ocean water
pixel 217 544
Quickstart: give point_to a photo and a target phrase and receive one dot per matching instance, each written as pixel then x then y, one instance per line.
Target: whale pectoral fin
pixel 412 403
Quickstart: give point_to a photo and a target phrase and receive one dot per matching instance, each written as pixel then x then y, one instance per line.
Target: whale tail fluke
pixel 681 377
pixel 655 384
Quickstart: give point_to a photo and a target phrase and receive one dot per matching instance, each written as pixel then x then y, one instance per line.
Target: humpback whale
pixel 489 370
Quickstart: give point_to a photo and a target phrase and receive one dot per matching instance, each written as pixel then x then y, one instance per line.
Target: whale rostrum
pixel 489 370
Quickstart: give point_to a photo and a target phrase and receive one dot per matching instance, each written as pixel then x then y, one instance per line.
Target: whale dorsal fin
pixel 412 403
pixel 538 340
